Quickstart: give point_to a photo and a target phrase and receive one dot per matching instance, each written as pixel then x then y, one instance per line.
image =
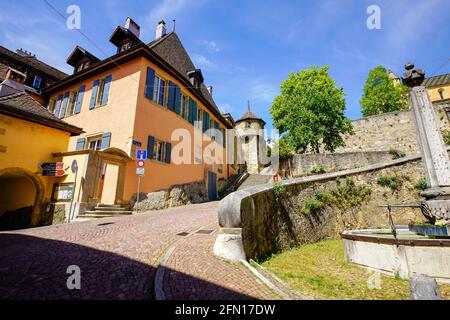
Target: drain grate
pixel 205 231
pixel 182 234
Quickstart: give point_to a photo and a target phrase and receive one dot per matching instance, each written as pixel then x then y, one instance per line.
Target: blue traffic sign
pixel 141 154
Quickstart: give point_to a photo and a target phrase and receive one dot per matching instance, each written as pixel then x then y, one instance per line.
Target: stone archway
pixel 14 178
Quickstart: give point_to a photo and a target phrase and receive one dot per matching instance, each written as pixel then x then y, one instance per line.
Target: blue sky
pixel 247 48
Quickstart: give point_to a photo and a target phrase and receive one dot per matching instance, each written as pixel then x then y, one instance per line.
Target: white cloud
pixel 263 92
pixel 226 108
pixel 202 62
pixel 211 46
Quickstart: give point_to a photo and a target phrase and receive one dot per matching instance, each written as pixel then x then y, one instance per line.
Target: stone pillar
pixel 434 154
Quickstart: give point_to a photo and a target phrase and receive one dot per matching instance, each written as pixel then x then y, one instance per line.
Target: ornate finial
pixel 413 77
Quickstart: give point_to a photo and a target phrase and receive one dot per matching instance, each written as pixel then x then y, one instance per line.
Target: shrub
pixel 311 206
pixel 396 154
pixel 393 181
pixel 279 189
pixel 421 184
pixel 318 170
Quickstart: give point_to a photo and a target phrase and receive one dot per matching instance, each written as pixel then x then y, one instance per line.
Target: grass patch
pixel 320 270
pixel 318 170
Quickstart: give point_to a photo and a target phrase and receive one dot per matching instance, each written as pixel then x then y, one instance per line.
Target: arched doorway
pixel 21 196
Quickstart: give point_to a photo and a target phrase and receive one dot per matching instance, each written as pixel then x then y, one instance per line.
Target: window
pixel 51 105
pixel 184 111
pixel 125 46
pixel 95 143
pixel 199 118
pixel 37 82
pixel 159 89
pixel 71 106
pixel 158 151
pixel 441 93
pixel 100 92
pixel 248 124
pixel 247 139
pixel 82 66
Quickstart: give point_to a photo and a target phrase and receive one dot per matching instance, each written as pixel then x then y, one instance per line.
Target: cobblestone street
pixel 119 258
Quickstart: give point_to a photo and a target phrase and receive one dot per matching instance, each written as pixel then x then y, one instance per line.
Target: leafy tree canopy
pixel 310 111
pixel 382 95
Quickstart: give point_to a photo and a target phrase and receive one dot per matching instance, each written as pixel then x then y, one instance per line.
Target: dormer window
pixel 196 78
pixel 80 59
pixel 125 46
pixel 37 82
pixel 82 66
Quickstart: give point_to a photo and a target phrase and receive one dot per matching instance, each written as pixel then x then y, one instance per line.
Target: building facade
pixel 29 135
pixel 145 97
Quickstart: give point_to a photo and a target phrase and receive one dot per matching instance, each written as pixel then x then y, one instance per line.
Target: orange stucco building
pixel 136 100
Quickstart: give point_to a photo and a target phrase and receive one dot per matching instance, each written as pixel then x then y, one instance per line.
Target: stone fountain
pixel 419 249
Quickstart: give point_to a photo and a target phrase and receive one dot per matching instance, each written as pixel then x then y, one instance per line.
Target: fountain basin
pixel 426 230
pixel 408 255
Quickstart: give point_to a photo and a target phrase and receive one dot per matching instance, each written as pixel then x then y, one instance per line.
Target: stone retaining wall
pixel 256 222
pixel 301 164
pixel 393 130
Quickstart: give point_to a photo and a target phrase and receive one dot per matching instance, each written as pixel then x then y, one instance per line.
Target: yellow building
pixel 135 100
pixel 29 135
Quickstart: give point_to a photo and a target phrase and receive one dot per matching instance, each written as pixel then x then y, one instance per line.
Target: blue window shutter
pixel 64 105
pixel 205 121
pixel 94 94
pixel 150 143
pixel 106 89
pixel 177 99
pixel 191 109
pixel 58 105
pixel 194 113
pixel 79 99
pixel 168 152
pixel 106 140
pixel 171 98
pixel 149 83
pixel 80 144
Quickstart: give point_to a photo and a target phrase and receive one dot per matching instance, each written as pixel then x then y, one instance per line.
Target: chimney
pixel 133 27
pixel 160 30
pixel 25 53
pixel 210 90
pixel 14 83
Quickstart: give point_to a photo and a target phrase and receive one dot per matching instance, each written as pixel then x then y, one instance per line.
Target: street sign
pixel 53 173
pixel 141 154
pixel 53 169
pixel 52 166
pixel 140 164
pixel 74 166
pixel 140 171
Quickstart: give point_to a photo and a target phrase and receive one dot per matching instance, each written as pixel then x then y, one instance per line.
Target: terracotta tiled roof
pixel 440 80
pixel 24 106
pixel 35 63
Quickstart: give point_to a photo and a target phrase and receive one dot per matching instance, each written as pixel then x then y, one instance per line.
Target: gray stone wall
pixel 301 164
pixel 178 195
pixel 270 223
pixel 393 130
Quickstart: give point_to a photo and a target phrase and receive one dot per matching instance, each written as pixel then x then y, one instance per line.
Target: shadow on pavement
pixel 33 268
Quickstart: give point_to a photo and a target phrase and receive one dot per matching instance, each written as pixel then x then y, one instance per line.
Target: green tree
pixel 285 151
pixel 310 111
pixel 381 94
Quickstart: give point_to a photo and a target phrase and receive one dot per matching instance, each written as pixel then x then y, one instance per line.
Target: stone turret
pixel 250 131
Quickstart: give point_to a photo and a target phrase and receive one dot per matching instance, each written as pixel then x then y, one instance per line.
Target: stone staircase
pixel 254 180
pixel 105 211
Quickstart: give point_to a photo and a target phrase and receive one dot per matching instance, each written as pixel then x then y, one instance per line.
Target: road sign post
pixel 141 156
pixel 74 169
